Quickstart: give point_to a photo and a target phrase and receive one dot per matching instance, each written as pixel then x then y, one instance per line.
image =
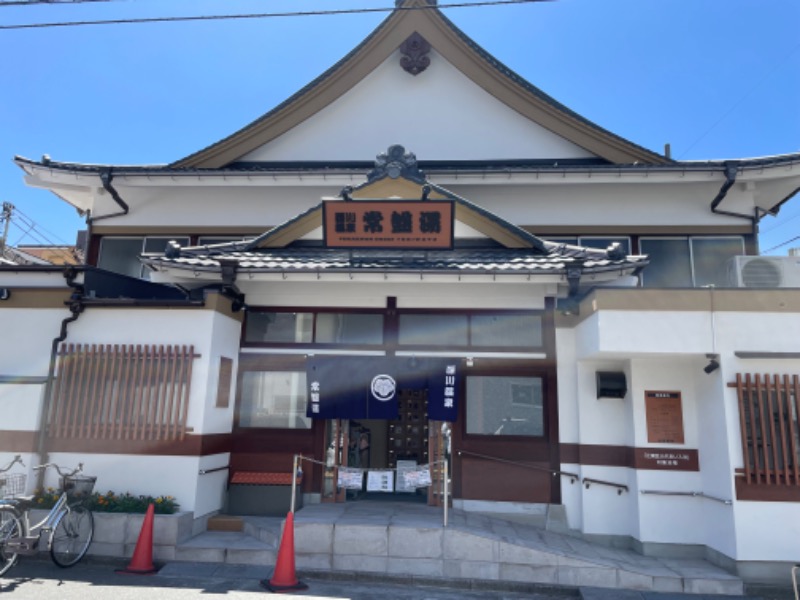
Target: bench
pixel 262 493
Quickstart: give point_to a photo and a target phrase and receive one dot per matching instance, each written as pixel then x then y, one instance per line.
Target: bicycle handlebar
pixel 58 469
pixel 17 459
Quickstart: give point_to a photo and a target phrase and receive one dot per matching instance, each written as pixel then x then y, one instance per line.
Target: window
pixel 121 254
pixel 279 327
pixel 433 330
pixel 670 264
pixel 502 405
pixel 604 242
pixel 308 327
pixel 710 258
pixel 590 241
pixel 274 399
pixel 499 330
pixel 210 240
pixel 689 262
pixel 506 330
pixel 512 329
pixel 348 328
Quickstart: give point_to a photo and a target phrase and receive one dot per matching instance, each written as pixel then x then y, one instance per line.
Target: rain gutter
pixel 106 175
pixel 76 307
pixel 731 169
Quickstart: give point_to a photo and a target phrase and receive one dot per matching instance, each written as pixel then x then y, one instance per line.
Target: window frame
pixel 689 239
pixel 391 319
pixel 511 374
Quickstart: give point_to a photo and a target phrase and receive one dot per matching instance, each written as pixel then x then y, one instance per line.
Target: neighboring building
pixel 554 302
pixel 43 255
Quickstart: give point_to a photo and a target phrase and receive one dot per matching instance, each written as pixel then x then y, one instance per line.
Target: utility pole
pixel 5 217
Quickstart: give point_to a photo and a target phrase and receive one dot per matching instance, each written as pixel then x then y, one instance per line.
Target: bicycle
pixel 68 527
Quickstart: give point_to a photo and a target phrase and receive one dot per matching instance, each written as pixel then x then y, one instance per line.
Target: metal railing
pixel 206 471
pixel 554 472
pixel 588 481
pixel 691 494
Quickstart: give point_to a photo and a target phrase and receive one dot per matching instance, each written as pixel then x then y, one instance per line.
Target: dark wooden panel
pixel 489 480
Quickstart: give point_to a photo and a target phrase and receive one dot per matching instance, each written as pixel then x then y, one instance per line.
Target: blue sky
pixel 714 78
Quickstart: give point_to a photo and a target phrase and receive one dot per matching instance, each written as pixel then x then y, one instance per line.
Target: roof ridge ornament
pixel 415 57
pixel 395 163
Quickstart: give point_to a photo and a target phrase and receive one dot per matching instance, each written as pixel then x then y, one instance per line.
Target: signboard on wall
pixel 664 417
pixel 417 224
pixel 666 459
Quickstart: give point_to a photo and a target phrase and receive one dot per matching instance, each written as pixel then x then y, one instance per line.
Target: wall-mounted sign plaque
pixel 664 417
pixel 667 459
pixel 424 224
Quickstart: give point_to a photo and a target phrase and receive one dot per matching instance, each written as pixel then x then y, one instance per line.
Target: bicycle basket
pixel 12 485
pixel 78 486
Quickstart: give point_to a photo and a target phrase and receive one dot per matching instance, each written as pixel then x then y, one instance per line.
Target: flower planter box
pixel 116 534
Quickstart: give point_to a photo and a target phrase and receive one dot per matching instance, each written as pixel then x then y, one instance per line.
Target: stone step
pixel 413 542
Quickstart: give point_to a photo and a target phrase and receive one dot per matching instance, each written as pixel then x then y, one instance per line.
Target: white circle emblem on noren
pixel 383 387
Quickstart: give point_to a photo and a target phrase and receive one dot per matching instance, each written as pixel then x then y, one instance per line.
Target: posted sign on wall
pixel 388 224
pixel 664 417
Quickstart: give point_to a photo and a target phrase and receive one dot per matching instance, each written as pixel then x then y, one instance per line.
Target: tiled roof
pixel 460 260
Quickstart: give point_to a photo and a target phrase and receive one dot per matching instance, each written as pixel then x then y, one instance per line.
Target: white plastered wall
pixel 212 334
pixel 432 114
pixel 663 350
pixel 764 530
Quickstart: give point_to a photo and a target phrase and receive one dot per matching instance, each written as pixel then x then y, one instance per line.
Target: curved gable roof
pixel 421 17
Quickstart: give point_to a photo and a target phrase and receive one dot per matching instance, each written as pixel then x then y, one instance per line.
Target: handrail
pixel 204 471
pixel 620 487
pixel 573 476
pixel 693 494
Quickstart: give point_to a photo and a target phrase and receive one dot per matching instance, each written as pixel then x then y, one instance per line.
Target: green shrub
pixel 111 502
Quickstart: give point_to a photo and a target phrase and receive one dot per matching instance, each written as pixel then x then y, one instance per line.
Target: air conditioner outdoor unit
pixel 765 271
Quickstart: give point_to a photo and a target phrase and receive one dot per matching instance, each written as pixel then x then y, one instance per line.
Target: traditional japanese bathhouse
pixel 401 283
pixel 585 323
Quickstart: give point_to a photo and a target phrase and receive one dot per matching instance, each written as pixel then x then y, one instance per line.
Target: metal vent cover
pixel 761 273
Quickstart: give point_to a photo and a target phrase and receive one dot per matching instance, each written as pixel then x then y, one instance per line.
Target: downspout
pixel 106 176
pixel 731 170
pixel 76 307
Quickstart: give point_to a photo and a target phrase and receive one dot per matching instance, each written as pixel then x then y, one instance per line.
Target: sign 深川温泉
pixel 388 224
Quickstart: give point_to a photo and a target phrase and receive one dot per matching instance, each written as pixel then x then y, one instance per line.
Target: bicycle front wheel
pixel 72 536
pixel 10 527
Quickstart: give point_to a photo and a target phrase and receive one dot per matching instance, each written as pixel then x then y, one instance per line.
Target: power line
pixel 786 243
pixel 741 99
pixel 311 13
pixel 33 2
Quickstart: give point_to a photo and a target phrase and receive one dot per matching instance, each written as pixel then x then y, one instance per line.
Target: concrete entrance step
pixel 400 539
pixel 246 541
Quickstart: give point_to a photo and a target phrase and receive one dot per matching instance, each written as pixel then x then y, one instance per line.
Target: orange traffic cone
pixel 142 561
pixel 284 578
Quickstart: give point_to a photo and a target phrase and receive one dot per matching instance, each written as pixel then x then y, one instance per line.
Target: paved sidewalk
pixel 96 579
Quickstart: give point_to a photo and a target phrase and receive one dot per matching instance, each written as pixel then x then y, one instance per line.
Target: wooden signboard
pixel 389 224
pixel 664 417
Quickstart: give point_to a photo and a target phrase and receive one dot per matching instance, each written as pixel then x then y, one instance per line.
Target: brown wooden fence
pixel 121 392
pixel 768 409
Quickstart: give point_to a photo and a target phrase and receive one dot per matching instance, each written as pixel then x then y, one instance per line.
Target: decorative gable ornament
pixel 395 163
pixel 415 54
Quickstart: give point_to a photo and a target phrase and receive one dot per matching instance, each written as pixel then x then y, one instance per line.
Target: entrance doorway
pixel 393 445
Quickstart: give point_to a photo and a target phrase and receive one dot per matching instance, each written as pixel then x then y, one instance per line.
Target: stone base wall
pixel 116 534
